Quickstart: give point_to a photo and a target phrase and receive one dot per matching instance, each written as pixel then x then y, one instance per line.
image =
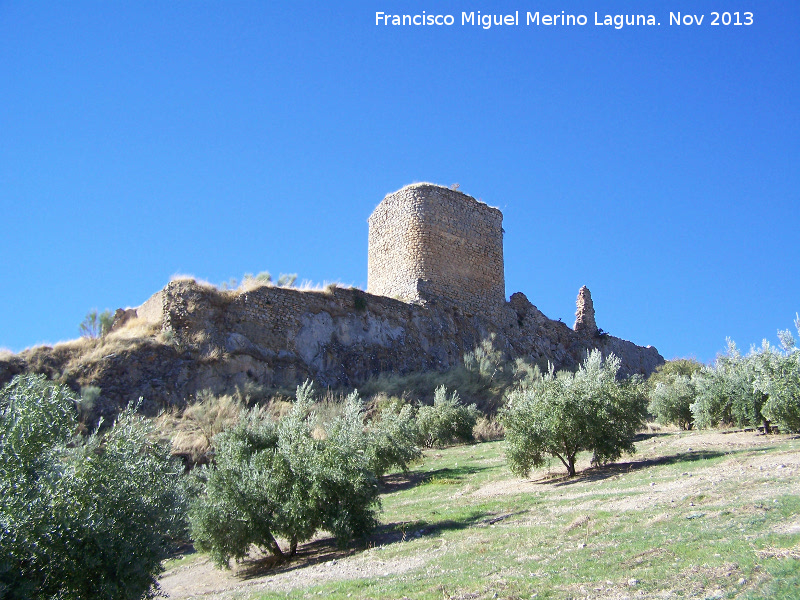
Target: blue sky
pixel 658 165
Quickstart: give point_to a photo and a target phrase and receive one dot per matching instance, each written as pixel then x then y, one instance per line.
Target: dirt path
pixel 318 562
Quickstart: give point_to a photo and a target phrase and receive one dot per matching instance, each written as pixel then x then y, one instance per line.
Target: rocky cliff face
pixel 193 337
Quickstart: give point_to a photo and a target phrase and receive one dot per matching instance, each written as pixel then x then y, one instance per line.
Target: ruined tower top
pixel 427 241
pixel 584 315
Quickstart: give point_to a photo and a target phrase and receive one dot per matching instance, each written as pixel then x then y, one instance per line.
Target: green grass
pixel 660 524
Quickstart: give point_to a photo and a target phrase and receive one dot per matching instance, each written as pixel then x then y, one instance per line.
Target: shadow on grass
pixel 618 468
pixel 325 550
pixel 397 482
pixel 308 555
pixel 648 435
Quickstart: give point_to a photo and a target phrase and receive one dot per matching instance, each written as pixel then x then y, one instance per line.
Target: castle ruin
pixel 436 289
pixel 428 241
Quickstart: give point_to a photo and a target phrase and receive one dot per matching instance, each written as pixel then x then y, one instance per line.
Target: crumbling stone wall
pixel 584 313
pixel 428 241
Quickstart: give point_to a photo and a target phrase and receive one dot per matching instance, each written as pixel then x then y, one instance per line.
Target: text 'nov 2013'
pixel 563 19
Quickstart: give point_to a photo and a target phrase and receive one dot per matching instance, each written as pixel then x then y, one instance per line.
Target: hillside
pixel 690 515
pixel 191 336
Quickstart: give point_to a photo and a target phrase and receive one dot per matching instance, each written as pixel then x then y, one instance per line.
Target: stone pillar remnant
pixel 584 316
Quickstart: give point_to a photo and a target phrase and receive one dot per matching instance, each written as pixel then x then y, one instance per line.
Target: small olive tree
pixel 726 392
pixel 671 391
pixel 392 439
pixel 81 517
pixel 448 421
pixel 565 413
pixel 671 401
pixel 278 480
pixel 778 376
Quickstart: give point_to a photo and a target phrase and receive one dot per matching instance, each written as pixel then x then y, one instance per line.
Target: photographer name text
pixel 487 21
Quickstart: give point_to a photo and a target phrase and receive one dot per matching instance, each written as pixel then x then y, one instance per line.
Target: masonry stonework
pixel 584 313
pixel 427 241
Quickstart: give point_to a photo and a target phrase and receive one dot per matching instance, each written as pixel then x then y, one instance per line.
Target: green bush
pixel 277 480
pixel 447 421
pixel 392 438
pixel 778 376
pixel 81 517
pixel 565 413
pixel 670 402
pixel 96 324
pixel 727 394
pixel 482 378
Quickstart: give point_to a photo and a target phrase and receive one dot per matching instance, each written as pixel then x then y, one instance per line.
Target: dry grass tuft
pixel 196 426
pixel 488 429
pixel 213 354
pixel 192 279
pixel 136 328
pixel 577 522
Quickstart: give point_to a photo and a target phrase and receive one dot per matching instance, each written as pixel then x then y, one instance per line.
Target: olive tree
pixel 81 517
pixel 446 422
pixel 779 377
pixel 670 402
pixel 564 413
pixel 671 392
pixel 392 439
pixel 280 480
pixel 726 392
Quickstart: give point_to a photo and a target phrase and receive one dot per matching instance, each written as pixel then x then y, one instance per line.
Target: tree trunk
pixel 274 548
pixel 766 426
pixel 293 546
pixel 571 466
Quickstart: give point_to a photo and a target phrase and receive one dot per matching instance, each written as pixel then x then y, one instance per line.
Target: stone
pixel 584 315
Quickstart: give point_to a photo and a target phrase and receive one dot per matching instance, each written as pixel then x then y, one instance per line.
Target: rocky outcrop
pixel 273 337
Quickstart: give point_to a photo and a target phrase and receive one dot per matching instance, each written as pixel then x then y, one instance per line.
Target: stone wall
pixel 340 337
pixel 428 241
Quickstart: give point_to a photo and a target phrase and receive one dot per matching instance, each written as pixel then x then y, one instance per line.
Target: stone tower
pixel 584 315
pixel 428 241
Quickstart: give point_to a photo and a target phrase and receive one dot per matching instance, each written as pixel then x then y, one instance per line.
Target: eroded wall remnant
pixel 584 314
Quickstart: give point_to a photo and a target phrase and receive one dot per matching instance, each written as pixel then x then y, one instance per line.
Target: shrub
pixel 80 517
pixel 778 376
pixel 670 402
pixel 671 369
pixel 447 421
pixel 565 413
pixel 277 480
pixel 286 279
pixel 392 437
pixel 483 378
pixel 726 393
pixel 203 419
pixel 96 324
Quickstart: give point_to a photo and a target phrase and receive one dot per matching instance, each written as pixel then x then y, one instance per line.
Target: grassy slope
pixel 715 520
